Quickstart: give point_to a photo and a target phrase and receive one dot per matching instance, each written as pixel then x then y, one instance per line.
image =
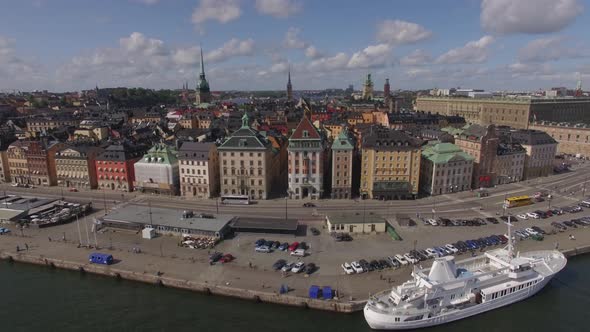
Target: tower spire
pixel 202 62
pixel 289 86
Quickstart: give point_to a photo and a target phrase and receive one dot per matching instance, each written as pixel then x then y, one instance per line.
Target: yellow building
pixel 390 164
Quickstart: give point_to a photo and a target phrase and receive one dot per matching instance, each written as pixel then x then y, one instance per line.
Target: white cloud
pixel 312 52
pixel 12 67
pixel 187 56
pixel 278 8
pixel 233 47
pixel 401 32
pixel 473 52
pixel 338 61
pixel 416 58
pixel 549 49
pixel 292 39
pixel 418 72
pixel 222 11
pixel 138 43
pixel 370 57
pixel 528 16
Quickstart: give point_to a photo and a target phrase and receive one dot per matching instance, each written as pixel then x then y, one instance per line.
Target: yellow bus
pixel 517 201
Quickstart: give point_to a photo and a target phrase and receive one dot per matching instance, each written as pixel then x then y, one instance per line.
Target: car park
pixel 533 215
pixel 275 245
pixel 279 264
pixel 347 268
pixel 410 259
pixel 539 230
pixel 260 242
pixel 298 267
pixel 531 231
pixel 560 227
pixel 356 266
pixel 366 266
pixel 492 220
pixel 394 262
pixel 433 222
pixel 269 243
pixel 384 263
pixel 263 249
pixel 522 216
pixel 284 246
pixel 570 224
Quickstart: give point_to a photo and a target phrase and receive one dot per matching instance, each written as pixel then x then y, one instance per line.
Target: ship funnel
pixel 443 269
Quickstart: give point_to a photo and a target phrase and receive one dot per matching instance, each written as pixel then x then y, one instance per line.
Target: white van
pixel 298 252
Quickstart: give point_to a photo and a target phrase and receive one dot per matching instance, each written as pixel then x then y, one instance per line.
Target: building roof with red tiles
pixel 305 126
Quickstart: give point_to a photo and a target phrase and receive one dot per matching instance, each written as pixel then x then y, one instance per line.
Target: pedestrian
pixel 49 237
pixel 250 264
pixel 27 246
pixel 17 248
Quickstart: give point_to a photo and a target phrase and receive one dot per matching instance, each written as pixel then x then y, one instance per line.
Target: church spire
pixel 203 91
pixel 202 63
pixel 289 86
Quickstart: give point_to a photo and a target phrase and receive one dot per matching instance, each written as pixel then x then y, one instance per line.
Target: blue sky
pixel 249 44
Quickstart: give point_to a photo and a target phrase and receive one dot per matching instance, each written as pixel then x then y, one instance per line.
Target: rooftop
pixel 356 218
pixel 140 214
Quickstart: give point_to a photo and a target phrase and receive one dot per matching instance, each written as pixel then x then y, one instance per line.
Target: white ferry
pixel 451 290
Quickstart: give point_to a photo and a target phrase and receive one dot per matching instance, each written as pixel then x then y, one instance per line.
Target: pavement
pixel 253 270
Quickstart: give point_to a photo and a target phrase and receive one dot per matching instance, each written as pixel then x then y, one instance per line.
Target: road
pixel 457 204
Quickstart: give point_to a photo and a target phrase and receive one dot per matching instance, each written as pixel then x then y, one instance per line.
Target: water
pixel 37 298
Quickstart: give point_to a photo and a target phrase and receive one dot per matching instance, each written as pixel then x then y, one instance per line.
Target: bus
pixel 517 201
pixel 235 199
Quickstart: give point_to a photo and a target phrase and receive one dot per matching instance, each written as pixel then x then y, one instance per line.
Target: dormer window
pixel 305 133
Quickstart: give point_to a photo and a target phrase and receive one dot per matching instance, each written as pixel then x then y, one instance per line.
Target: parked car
pixel 309 205
pixel 284 246
pixel 539 230
pixel 263 249
pixel 269 243
pixel 394 262
pixel 293 246
pixel 492 220
pixel 310 268
pixel 74 190
pixel 384 263
pixel 302 245
pixel 298 267
pixel 533 215
pixel 570 224
pixel 560 227
pixel 431 253
pixel 298 252
pixel 287 267
pixel 452 248
pixel 275 245
pixel 433 222
pixel 401 259
pixel 356 266
pixel 365 265
pixel 347 268
pixel 279 264
pixel 214 257
pixel 314 231
pixel 531 231
pixel 522 216
pixel 260 242
pixel 4 230
pixel 410 259
pixel 226 258
pixel 375 264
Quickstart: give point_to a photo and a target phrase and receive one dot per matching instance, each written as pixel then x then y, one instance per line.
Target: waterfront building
pixel 306 161
pixel 4 166
pixel 17 162
pixel 114 166
pixel 342 158
pixel 445 169
pixel 74 166
pixel 203 93
pixel 481 143
pixel 509 162
pixel 513 112
pixel 41 161
pixel 390 164
pixel 248 163
pixel 540 151
pixel 199 170
pixel 157 171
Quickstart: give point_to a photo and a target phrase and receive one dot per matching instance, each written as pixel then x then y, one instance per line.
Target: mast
pixel 510 244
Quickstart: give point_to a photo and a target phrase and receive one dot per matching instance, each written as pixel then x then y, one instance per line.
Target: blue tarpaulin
pixel 327 292
pixel 314 292
pixel 98 258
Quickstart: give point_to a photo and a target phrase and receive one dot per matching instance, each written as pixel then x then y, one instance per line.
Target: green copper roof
pixel 160 154
pixel 442 153
pixel 342 142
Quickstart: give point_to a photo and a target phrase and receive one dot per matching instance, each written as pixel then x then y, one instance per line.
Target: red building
pixel 114 167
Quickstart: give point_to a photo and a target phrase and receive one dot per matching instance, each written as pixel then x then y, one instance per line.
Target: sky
pixel 71 45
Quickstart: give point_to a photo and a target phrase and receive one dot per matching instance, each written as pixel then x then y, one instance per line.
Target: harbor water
pixel 36 298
